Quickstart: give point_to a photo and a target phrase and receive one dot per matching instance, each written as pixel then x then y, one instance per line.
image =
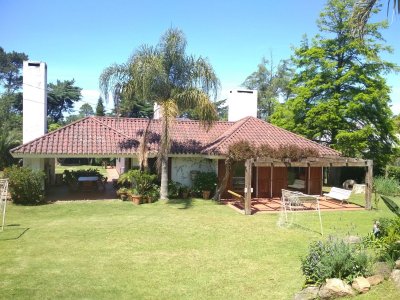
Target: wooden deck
pixel 273 205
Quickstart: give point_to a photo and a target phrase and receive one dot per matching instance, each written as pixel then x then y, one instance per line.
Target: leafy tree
pixel 10 113
pixel 10 103
pixel 53 126
pixel 165 75
pixel 86 110
pixel 8 140
pixel 272 83
pixel 220 106
pixel 71 118
pixel 134 108
pixel 61 98
pixel 100 110
pixel 222 109
pixel 341 98
pixel 10 70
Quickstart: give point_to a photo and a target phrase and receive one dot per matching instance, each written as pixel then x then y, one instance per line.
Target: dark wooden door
pixel 315 182
pixel 279 180
pixel 264 182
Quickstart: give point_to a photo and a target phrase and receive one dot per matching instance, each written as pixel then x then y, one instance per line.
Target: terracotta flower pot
pixel 136 199
pixel 206 194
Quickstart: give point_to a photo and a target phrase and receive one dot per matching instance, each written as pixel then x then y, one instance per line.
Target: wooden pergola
pixel 308 163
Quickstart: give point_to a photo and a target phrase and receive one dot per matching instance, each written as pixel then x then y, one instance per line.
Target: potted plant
pixel 123 193
pixel 136 197
pixel 185 191
pixel 141 183
pixel 205 183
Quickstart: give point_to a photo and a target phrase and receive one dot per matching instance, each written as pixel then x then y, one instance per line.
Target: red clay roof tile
pixel 108 136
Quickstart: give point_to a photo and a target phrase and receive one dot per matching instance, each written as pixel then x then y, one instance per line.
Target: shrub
pixel 386 186
pixel 26 185
pixel 142 182
pixel 333 259
pixel 393 172
pixel 205 181
pixel 385 246
pixel 174 189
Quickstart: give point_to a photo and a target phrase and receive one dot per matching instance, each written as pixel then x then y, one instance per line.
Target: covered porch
pixel 274 205
pixel 253 203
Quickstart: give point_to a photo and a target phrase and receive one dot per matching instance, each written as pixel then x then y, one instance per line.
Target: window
pixel 238 172
pixel 296 178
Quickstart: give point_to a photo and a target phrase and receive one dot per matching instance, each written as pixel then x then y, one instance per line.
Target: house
pixel 194 148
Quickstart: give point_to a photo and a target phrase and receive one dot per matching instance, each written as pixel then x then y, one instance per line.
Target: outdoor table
pixel 88 178
pixel 88 183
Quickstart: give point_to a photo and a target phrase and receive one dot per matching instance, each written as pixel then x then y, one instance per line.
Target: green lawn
pixel 60 169
pixel 181 250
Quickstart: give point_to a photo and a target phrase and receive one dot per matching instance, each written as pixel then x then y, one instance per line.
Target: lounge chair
pixel 339 194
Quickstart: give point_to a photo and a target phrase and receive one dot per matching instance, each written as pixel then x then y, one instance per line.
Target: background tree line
pixel 61 98
pixel 332 90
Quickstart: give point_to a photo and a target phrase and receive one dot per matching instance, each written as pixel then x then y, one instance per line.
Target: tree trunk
pixel 224 182
pixel 164 178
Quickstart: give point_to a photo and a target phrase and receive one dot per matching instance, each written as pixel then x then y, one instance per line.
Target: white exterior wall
pixel 181 167
pixel 34 163
pixel 34 100
pixel 241 104
pixel 121 167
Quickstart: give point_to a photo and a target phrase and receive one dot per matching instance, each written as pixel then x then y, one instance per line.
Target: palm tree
pixel 8 140
pixel 362 10
pixel 167 76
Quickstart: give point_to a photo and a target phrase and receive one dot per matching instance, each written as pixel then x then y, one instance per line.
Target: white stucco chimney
pixel 242 103
pixel 34 103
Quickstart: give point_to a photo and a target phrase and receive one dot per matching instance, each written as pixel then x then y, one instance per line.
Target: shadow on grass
pixel 187 203
pixel 12 232
pixel 305 228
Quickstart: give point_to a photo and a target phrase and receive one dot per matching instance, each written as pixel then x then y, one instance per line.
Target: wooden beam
pixel 368 185
pixel 313 162
pixel 247 187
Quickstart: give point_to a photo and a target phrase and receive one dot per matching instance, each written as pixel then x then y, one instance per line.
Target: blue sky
pixel 79 38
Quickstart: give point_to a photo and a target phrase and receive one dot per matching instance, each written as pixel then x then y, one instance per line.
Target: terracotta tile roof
pixel 108 136
pixel 258 133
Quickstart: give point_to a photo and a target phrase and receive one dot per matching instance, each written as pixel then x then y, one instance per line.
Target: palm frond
pixel 394 208
pixel 205 77
pixel 112 81
pixel 197 99
pixel 149 79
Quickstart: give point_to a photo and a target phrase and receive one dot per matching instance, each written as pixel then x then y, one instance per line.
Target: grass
pixel 193 249
pixel 60 169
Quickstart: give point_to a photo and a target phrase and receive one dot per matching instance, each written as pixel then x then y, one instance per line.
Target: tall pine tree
pixel 100 111
pixel 341 98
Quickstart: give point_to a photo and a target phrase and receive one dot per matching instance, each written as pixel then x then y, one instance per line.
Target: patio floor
pixel 273 205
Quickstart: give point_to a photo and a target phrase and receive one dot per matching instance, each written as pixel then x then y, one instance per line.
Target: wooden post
pixel 368 184
pixel 308 178
pixel 272 176
pixel 247 187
